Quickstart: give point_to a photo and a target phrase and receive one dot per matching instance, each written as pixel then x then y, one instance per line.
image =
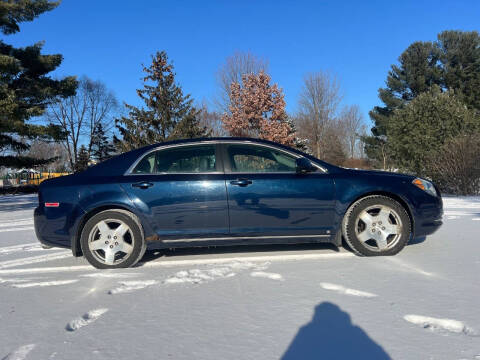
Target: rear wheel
pixel 376 225
pixel 113 239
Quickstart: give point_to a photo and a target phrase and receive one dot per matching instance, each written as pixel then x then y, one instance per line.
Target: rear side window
pixel 146 165
pixel 258 159
pixel 184 159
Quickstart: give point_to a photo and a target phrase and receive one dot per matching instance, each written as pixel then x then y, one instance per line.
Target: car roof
pixel 119 164
pixel 217 139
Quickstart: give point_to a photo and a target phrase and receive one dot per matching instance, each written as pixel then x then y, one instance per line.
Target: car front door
pixel 266 197
pixel 181 191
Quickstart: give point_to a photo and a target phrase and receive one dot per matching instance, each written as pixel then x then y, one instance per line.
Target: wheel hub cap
pixel 378 227
pixel 111 241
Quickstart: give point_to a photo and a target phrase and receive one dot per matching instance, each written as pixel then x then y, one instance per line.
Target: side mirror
pixel 304 166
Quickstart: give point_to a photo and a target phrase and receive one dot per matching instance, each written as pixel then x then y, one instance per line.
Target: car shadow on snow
pixel 151 255
pixel 417 240
pixel 331 335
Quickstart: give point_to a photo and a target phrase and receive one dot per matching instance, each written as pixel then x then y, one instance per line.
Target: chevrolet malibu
pixel 229 191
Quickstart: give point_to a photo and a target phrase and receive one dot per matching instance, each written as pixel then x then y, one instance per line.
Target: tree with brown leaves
pixel 257 110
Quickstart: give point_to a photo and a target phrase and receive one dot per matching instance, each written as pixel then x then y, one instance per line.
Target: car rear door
pixel 266 197
pixel 181 191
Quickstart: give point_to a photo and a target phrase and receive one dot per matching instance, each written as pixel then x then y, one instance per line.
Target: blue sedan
pixel 229 191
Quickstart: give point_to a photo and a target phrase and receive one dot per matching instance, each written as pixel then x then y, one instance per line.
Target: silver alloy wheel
pixel 111 241
pixel 378 227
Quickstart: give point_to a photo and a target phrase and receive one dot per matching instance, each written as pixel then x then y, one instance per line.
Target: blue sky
pixel 358 40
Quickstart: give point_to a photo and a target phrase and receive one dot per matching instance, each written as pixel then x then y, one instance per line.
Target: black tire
pixel 135 234
pixel 352 224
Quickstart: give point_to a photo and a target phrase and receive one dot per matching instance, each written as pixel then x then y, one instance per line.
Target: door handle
pixel 241 182
pixel 142 185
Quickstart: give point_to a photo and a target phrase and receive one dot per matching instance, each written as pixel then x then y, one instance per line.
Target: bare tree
pixel 318 103
pixel 455 166
pixel 80 114
pixel 361 142
pixel 211 120
pixel 352 123
pixel 46 150
pixel 235 66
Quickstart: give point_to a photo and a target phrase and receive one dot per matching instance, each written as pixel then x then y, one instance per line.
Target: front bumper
pixel 428 218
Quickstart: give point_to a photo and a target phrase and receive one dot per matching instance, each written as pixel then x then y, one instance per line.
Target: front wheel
pixel 376 225
pixel 113 239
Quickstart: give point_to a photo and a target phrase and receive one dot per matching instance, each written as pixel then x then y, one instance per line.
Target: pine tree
pixel 83 159
pixel 25 88
pixel 298 142
pixel 451 63
pixel 101 149
pixel 424 125
pixel 167 115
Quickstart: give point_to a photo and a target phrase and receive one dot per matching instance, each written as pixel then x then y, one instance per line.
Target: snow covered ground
pixel 291 302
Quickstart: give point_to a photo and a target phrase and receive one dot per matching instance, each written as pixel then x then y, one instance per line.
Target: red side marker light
pixel 52 204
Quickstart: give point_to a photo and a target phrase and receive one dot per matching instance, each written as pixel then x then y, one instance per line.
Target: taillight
pixel 52 204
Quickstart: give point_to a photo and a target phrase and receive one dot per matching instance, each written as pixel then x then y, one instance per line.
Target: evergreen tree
pixel 460 57
pixel 298 142
pixel 25 88
pixel 167 115
pixel 424 125
pixel 450 63
pixel 83 159
pixel 101 149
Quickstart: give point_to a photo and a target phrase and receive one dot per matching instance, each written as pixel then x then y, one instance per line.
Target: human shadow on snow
pixel 331 335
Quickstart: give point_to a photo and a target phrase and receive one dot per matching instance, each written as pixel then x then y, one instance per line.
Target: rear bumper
pixel 44 230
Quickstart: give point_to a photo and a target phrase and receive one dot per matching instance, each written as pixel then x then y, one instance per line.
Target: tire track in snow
pixel 409 267
pixel 14 280
pixel 346 291
pixel 21 353
pixel 110 275
pixel 199 276
pixel 18 229
pixel 129 286
pixel 174 263
pixel 267 275
pixel 14 248
pixel 19 222
pixel 438 324
pixel 44 283
pixel 25 247
pixel 85 319
pixel 35 259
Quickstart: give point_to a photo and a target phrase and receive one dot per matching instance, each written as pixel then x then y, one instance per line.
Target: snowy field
pixel 290 302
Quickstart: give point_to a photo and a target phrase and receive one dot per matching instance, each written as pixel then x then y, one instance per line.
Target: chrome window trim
pixel 164 147
pixel 215 142
pixel 295 155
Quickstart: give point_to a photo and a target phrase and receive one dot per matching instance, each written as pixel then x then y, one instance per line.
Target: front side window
pixel 177 160
pixel 259 159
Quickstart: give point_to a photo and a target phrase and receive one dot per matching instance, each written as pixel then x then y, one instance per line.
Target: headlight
pixel 425 186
